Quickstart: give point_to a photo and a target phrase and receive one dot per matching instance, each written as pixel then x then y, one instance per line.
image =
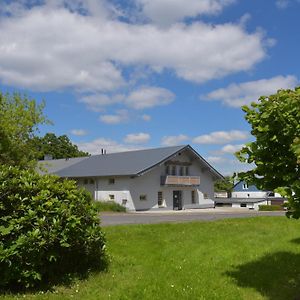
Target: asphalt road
pixel 109 219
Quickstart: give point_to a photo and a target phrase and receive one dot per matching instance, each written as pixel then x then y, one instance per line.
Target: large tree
pixel 275 153
pixel 19 121
pixel 57 147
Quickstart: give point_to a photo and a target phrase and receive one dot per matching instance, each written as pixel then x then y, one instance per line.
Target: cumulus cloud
pixel 111 146
pixel 97 102
pixel 236 95
pixel 79 132
pixel 230 149
pixel 147 97
pixel 52 47
pixel 174 140
pixel 221 137
pixel 216 159
pixel 137 138
pixel 139 98
pixel 170 11
pixel 121 116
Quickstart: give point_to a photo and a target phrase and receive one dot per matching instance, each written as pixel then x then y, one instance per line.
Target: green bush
pixel 108 206
pixel 270 207
pixel 49 230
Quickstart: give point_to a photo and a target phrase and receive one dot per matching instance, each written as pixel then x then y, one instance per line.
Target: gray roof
pixel 130 163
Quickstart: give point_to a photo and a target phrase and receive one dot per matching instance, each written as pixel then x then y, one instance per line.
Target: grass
pixel 109 206
pixel 255 258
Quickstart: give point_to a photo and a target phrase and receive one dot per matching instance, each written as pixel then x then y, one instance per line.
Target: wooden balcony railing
pixel 180 180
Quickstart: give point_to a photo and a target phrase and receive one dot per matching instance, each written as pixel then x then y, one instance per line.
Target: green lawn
pixel 255 258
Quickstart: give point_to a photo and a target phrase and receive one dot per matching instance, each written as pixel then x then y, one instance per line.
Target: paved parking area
pixel 109 219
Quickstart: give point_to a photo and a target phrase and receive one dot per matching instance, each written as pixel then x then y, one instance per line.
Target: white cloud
pixel 51 47
pixel 111 146
pixel 216 159
pixel 137 138
pixel 221 137
pixel 147 97
pixel 79 132
pixel 121 116
pixel 174 140
pixel 167 12
pixel 140 98
pixel 236 95
pixel 230 149
pixel 97 102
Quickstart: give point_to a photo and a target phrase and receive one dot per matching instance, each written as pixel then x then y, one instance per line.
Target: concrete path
pixel 109 219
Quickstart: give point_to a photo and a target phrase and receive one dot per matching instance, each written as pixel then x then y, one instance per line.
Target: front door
pixel 177 200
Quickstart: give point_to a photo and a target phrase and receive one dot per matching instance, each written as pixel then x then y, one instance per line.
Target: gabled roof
pixel 130 163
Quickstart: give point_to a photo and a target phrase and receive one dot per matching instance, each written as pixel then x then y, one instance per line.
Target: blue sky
pixel 133 74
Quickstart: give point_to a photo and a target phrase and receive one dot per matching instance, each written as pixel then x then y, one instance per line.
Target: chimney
pixel 102 151
pixel 105 151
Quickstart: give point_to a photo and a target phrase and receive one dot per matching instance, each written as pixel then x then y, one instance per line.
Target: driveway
pixel 109 219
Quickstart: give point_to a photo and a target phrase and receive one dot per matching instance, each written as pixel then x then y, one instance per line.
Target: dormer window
pixel 245 186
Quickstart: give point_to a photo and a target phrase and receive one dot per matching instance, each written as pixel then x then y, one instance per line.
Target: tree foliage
pixel 275 122
pixel 49 229
pixel 225 185
pixel 19 120
pixel 56 146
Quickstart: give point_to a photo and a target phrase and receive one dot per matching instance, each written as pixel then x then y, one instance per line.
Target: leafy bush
pixel 270 207
pixel 49 230
pixel 109 206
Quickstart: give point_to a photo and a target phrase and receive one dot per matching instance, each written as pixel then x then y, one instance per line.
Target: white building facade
pixel 178 178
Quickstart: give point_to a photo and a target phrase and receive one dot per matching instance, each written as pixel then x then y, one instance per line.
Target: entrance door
pixel 177 200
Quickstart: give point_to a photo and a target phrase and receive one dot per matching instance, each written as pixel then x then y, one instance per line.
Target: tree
pixel 56 146
pixel 19 120
pixel 275 153
pixel 225 185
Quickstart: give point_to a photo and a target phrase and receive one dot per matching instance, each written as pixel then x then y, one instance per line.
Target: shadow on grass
pixel 275 276
pixel 49 284
pixel 296 241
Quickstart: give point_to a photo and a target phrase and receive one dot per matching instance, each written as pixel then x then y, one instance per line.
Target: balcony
pixel 180 180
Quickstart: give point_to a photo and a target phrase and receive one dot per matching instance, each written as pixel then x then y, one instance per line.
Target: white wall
pixel 246 194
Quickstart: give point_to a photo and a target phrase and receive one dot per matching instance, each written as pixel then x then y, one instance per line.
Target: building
pixel 162 178
pixel 249 196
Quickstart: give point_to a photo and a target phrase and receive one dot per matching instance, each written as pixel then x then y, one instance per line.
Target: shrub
pixel 108 206
pixel 270 207
pixel 49 230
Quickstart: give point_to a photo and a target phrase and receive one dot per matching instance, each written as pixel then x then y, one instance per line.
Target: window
pixel 92 181
pixel 193 196
pixel 181 171
pixel 167 170
pixel 143 197
pixel 187 171
pixel 245 186
pixel 160 198
pixel 124 201
pixel 205 196
pixel 111 197
pixel 173 170
pixel 85 181
pixel 243 205
pixel 111 181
